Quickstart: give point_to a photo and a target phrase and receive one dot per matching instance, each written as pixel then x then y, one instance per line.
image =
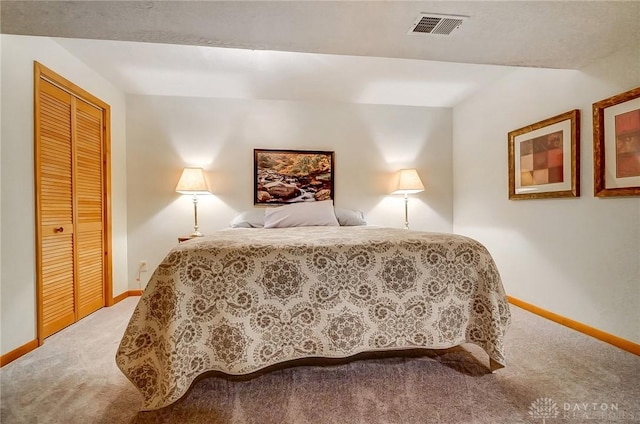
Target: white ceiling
pixel 362 52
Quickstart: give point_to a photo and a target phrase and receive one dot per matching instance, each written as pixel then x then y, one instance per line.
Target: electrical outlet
pixel 142 266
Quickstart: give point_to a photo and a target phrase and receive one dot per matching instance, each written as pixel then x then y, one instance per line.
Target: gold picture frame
pixel 616 145
pixel 544 158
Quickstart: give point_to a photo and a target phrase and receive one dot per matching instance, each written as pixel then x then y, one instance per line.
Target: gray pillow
pixel 253 218
pixel 303 214
pixel 350 217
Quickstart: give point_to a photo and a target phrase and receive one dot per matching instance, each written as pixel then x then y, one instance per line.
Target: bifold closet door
pixel 69 190
pixel 54 169
pixel 89 205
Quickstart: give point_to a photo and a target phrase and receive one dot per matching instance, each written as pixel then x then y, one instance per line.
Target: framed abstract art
pixel 544 158
pixel 616 145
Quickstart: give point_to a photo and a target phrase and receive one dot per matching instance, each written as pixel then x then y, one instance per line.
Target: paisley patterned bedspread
pixel 245 299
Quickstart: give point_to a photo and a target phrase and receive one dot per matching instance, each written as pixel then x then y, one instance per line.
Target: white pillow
pixel 304 214
pixel 350 217
pixel 249 219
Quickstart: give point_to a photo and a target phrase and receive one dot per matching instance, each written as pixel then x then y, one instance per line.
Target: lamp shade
pixel 192 181
pixel 408 182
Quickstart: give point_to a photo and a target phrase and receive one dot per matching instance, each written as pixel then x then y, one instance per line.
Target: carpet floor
pixel 553 375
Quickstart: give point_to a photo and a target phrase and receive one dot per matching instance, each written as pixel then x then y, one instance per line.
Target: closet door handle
pixel 59 229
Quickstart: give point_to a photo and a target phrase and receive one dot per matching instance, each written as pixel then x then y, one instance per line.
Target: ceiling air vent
pixel 433 24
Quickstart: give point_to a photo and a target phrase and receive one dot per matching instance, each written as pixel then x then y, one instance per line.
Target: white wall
pixel 18 281
pixel 579 258
pixel 370 143
pixel 576 257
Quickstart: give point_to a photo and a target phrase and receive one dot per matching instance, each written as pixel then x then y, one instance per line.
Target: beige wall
pixel 17 267
pixel 371 142
pixel 579 258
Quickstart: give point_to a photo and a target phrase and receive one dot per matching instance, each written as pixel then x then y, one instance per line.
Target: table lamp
pixel 407 182
pixel 192 181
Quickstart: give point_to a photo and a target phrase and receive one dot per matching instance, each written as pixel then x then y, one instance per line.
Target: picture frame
pixel 544 158
pixel 292 176
pixel 616 145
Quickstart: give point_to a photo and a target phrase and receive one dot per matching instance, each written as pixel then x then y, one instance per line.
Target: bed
pixel 245 299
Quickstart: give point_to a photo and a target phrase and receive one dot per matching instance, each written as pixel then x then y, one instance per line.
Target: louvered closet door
pixel 55 203
pixel 89 204
pixel 70 197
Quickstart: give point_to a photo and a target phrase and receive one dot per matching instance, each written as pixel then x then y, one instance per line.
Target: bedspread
pixel 245 299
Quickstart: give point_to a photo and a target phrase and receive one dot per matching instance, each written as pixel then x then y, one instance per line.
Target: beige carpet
pixel 552 373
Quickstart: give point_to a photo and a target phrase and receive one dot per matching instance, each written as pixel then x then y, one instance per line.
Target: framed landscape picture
pixel 290 176
pixel 616 145
pixel 544 158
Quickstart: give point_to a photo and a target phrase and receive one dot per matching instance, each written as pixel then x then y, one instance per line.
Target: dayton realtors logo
pixel 545 409
pixel 600 411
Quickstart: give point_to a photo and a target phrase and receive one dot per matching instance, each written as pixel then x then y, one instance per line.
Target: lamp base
pixel 406 211
pixel 195 233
